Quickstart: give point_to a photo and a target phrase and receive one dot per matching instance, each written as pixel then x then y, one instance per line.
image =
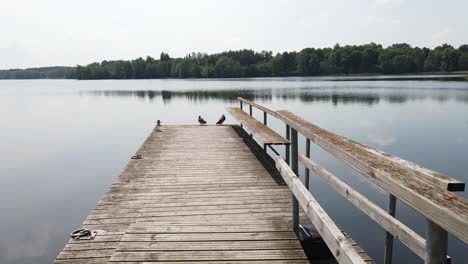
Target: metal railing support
pixel 295 169
pixel 307 171
pixel 250 110
pixel 265 118
pixel 389 237
pixel 288 137
pixel 241 107
pixel 436 244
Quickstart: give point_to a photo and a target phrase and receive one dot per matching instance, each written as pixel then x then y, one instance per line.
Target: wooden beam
pixel 330 233
pixel 259 131
pixel 436 178
pixel 260 107
pixel 444 208
pixel 407 236
pixel 439 179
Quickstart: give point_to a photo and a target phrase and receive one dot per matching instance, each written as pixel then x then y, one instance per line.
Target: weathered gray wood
pixel 228 255
pixel 243 236
pixel 259 131
pixel 407 236
pixel 444 208
pixel 198 195
pixel 439 179
pixel 259 107
pixel 210 245
pixel 341 248
pixel 287 261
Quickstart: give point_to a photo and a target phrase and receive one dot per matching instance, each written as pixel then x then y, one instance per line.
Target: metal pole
pixel 307 171
pixel 436 244
pixel 294 167
pixel 265 118
pixel 389 237
pixel 241 107
pixel 287 146
pixel 250 110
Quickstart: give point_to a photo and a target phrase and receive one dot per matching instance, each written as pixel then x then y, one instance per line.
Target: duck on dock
pixel 201 120
pixel 221 120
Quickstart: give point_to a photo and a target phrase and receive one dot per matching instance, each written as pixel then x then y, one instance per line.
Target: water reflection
pixel 192 96
pixel 266 95
pixel 64 142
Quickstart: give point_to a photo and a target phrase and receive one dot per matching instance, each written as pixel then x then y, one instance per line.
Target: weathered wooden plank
pixel 399 230
pixel 138 229
pixel 229 255
pixel 259 131
pixel 80 254
pixel 439 179
pixel 239 236
pixel 287 261
pixel 91 245
pixel 102 260
pixel 198 189
pixel 340 247
pixel 259 107
pixel 444 208
pixel 206 202
pixel 210 245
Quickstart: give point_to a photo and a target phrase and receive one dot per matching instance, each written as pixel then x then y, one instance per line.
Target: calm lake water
pixel 63 142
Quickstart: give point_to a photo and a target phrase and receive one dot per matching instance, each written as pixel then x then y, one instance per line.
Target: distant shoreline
pixel 350 60
pixel 449 76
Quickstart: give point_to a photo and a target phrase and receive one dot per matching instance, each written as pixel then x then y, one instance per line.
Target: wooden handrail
pixel 338 244
pixel 444 208
pixel 259 107
pixel 428 192
pixel 436 178
pixel 407 236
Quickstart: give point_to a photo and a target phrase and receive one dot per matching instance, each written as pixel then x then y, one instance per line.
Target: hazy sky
pixel 68 32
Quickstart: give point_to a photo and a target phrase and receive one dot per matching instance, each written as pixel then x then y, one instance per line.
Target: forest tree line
pixel 362 59
pixel 40 73
pixel 370 58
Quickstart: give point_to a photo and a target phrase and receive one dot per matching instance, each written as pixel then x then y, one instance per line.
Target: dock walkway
pixel 198 194
pixel 213 194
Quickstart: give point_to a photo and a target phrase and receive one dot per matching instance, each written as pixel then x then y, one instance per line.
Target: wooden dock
pixel 213 194
pixel 198 194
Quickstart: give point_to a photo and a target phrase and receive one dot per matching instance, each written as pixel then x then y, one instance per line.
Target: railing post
pixel 436 244
pixel 265 118
pixel 250 110
pixel 389 237
pixel 294 167
pixel 287 146
pixel 307 171
pixel 241 107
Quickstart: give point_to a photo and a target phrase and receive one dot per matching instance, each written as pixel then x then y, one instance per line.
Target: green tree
pixel 463 61
pixel 227 68
pixel 432 62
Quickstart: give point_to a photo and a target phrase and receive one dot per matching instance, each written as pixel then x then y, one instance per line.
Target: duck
pixel 221 120
pixel 201 120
